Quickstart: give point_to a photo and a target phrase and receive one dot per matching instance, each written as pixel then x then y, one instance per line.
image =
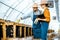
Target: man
pixel 36 25
pixel 46 20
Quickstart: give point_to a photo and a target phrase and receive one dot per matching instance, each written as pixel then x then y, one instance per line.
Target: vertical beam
pixel 31 31
pixel 28 31
pixel 14 31
pixel 57 9
pixel 20 31
pixel 24 31
pixel 4 31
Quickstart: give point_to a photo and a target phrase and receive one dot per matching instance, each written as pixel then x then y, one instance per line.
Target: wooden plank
pixel 4 31
pixel 28 31
pixel 31 31
pixel 9 23
pixel 14 31
pixel 20 31
pixel 24 31
pixel 1 20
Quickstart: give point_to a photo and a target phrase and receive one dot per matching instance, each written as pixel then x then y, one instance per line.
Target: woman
pixel 45 21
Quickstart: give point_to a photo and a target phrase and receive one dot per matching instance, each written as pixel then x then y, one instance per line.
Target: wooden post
pixel 20 31
pixel 31 31
pixel 24 31
pixel 14 31
pixel 28 31
pixel 4 31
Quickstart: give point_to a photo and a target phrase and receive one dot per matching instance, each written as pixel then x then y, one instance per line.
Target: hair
pixel 45 5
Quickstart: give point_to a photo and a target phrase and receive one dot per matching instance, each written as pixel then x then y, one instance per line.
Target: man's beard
pixel 35 10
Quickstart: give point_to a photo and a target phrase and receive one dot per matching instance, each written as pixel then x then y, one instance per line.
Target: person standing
pixel 36 25
pixel 45 21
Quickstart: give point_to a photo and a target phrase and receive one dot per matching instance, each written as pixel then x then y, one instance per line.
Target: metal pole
pixel 57 9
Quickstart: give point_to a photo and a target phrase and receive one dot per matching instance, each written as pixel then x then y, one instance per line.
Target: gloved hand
pixel 36 21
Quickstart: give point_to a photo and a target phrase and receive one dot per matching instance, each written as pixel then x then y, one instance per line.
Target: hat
pixel 35 5
pixel 43 2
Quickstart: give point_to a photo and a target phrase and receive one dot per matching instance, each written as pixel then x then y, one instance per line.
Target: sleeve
pixel 26 16
pixel 47 15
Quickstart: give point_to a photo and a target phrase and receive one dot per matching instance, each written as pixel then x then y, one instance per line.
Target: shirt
pixel 31 14
pixel 47 14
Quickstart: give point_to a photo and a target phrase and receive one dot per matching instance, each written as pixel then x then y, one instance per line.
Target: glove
pixel 36 21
